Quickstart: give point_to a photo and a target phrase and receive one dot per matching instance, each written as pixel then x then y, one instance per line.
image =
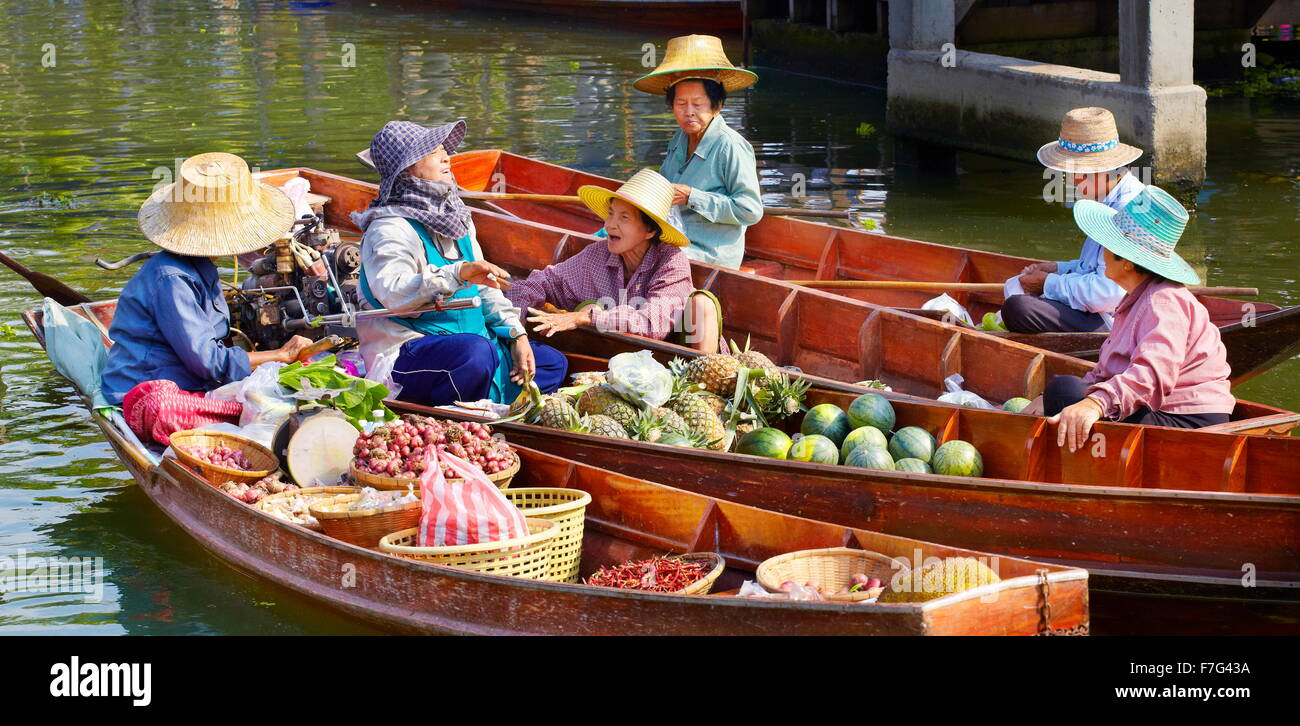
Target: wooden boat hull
pixel 835 340
pixel 628 518
pixel 1159 560
pixel 1257 335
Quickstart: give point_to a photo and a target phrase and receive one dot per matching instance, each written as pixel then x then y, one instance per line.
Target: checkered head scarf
pixel 436 205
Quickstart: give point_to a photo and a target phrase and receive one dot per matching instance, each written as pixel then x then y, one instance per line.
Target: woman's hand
pixel 681 194
pixel 1075 422
pixel 525 364
pixel 552 323
pixel 1039 267
pixel 482 272
pixel 1032 282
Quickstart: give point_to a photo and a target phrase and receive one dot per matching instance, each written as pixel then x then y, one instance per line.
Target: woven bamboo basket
pixel 714 564
pixel 378 481
pixel 832 568
pixel 259 456
pixel 565 507
pixel 526 557
pixel 267 503
pixel 362 527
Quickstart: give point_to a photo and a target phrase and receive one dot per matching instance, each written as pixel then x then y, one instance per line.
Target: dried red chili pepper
pixel 657 574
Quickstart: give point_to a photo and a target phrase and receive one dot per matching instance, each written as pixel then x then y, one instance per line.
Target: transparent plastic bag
pixel 956 394
pixel 264 401
pixel 640 377
pixel 950 306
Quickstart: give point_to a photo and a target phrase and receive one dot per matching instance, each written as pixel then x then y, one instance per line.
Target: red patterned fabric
pixel 157 409
pixel 468 511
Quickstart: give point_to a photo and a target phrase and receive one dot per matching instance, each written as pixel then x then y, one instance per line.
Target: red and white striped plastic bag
pixel 468 510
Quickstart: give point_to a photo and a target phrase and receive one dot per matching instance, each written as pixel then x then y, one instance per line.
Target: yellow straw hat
pixel 215 209
pixel 648 191
pixel 1088 143
pixel 695 56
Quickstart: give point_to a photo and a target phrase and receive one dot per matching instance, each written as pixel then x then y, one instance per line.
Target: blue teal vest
pixel 457 322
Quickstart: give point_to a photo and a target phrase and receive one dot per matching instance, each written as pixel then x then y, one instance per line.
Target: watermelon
pixel 913 465
pixel 958 458
pixel 826 419
pixel 870 457
pixel 769 442
pixel 1016 405
pixel 815 448
pixel 912 442
pixel 864 436
pixel 872 409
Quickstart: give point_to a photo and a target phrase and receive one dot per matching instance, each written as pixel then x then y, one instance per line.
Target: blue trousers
pixel 1034 314
pixel 436 370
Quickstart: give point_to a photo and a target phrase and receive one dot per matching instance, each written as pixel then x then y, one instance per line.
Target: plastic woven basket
pixel 568 509
pixel 263 461
pixel 527 557
pixel 832 568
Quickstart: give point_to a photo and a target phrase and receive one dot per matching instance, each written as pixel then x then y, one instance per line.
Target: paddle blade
pixel 47 286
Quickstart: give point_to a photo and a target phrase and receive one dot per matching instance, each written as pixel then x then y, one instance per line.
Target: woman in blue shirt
pixel 171 317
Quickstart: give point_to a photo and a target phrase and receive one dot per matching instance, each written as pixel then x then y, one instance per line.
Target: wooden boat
pixel 1257 335
pixel 628 518
pixel 795 326
pixel 695 15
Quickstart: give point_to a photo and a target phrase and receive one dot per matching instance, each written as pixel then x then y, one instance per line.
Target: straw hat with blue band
pixel 698 57
pixel 1088 143
pixel 648 191
pixel 1144 232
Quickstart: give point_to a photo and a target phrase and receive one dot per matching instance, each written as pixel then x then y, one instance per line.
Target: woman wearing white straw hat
pixel 638 282
pixel 710 165
pixel 172 317
pixel 1075 296
pixel 419 245
pixel 1163 364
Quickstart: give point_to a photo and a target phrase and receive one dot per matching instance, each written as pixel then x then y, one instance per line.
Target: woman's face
pixel 1115 268
pixel 692 108
pixel 434 167
pixel 626 229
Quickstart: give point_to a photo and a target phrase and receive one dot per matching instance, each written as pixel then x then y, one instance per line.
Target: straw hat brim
pixel 731 78
pixel 1097 221
pixel 598 200
pixel 1052 156
pixel 213 229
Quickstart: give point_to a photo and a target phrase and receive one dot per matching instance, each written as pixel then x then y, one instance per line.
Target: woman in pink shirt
pixel 639 280
pixel 1163 363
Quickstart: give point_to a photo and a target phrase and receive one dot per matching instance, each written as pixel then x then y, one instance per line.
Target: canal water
pixel 96 98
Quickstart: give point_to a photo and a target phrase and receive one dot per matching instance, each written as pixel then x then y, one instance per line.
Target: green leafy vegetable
pixel 356 398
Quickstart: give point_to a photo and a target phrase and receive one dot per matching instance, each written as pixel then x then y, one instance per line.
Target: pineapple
pixel 589 378
pixel 602 425
pixel 716 373
pixel 717 403
pixel 702 420
pixel 753 359
pixel 672 420
pixel 602 400
pixel 650 425
pixel 780 396
pixel 557 412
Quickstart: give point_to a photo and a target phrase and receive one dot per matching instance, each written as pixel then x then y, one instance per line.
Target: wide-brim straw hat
pixel 402 143
pixel 1088 143
pixel 695 56
pixel 648 191
pixel 1144 232
pixel 216 208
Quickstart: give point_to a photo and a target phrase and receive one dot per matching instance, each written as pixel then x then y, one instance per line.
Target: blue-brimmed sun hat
pixel 1088 143
pixel 402 143
pixel 1144 232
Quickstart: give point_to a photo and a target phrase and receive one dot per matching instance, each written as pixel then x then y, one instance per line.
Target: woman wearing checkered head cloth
pixel 419 245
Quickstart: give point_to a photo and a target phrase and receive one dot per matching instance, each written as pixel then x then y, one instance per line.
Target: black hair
pixel 1159 277
pixel 652 224
pixel 715 91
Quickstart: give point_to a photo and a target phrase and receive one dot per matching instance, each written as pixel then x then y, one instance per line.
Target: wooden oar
pixel 978 286
pixel 467 192
pixel 46 285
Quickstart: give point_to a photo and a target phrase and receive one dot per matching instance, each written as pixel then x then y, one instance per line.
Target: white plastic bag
pixel 962 397
pixel 639 377
pixel 264 401
pixel 950 306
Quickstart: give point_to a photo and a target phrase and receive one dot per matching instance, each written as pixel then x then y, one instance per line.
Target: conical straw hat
pixel 1088 143
pixel 215 209
pixel 695 56
pixel 648 191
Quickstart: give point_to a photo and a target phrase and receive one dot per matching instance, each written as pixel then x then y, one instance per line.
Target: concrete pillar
pixel 1155 42
pixel 921 24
